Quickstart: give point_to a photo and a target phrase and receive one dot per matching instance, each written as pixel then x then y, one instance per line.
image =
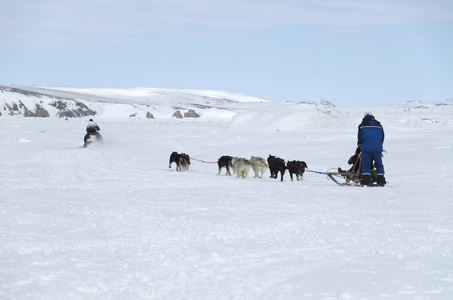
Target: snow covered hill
pixel 112 221
pixel 163 104
pixel 135 102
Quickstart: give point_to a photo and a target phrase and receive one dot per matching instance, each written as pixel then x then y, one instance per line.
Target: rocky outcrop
pixel 191 114
pixel 11 109
pixel 72 109
pixel 38 113
pixel 177 115
pixel 65 109
pixel 79 102
pixel 22 102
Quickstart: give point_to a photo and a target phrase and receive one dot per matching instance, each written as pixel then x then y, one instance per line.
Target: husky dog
pixel 225 161
pixel 296 167
pixel 182 161
pixel 276 164
pixel 258 165
pixel 233 164
pixel 242 167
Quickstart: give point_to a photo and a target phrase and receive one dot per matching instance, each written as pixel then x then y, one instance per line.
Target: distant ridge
pixel 31 101
pixel 169 104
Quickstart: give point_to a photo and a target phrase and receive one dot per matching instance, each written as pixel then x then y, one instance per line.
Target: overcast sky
pixel 345 51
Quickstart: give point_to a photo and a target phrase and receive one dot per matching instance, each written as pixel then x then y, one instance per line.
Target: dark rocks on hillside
pixel 177 115
pixel 84 110
pixel 39 112
pixel 60 105
pixel 191 114
pixel 149 115
pixel 64 111
pixel 13 110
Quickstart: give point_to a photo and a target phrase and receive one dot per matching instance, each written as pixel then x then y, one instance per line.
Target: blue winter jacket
pixel 371 135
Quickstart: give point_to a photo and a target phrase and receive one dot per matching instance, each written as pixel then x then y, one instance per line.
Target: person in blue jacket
pixel 370 140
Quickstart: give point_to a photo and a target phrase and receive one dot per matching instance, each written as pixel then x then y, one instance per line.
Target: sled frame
pixel 350 177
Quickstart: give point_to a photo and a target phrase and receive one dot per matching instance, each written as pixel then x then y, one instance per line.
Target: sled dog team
pixel 241 166
pixel 370 140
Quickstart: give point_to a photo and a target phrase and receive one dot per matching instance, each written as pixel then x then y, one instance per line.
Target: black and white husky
pixel 259 166
pixel 182 161
pixel 225 162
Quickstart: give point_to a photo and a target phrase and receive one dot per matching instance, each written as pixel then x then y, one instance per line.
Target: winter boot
pixel 366 179
pixel 381 180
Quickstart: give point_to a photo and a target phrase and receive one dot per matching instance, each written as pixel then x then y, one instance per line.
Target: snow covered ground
pixel 112 221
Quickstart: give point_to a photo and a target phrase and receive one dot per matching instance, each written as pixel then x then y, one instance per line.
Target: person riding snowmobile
pixel 92 127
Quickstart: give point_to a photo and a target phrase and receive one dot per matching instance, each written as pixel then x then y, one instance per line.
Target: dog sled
pixel 353 176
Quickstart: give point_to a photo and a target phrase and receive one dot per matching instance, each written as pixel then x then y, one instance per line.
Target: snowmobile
pixel 353 176
pixel 93 137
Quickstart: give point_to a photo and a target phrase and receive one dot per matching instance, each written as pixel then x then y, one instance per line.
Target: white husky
pixel 242 167
pixel 233 164
pixel 258 165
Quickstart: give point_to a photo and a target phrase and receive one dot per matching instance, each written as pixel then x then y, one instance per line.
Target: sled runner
pixel 351 177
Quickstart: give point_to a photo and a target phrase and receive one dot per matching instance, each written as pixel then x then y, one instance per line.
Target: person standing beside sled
pixel 92 128
pixel 371 140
